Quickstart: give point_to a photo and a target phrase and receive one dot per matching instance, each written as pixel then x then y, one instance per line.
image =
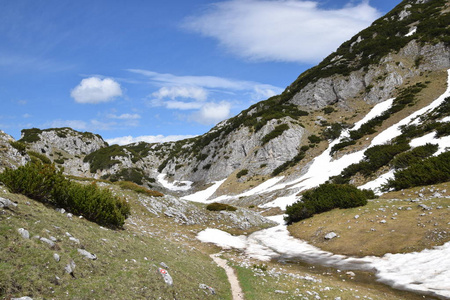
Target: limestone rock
pixel 330 235
pixel 166 276
pixel 24 233
pixel 87 254
pixel 6 203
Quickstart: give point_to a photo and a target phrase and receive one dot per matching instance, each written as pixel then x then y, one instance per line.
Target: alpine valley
pixel 375 115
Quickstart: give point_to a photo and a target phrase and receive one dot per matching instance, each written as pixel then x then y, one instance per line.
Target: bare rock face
pixel 71 141
pixel 378 82
pixel 10 157
pixel 64 146
pixel 241 149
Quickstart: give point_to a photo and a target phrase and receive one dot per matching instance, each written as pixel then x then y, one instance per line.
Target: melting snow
pixel 174 186
pixel 202 196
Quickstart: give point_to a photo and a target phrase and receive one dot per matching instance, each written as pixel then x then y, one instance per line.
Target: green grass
pixel 126 266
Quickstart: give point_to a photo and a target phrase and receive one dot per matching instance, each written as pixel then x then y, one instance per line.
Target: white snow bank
pixel 443 142
pixel 222 239
pixel 413 30
pixel 174 186
pixel 426 272
pixel 202 196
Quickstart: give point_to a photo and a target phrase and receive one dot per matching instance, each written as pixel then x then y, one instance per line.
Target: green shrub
pixel 21 147
pixel 215 206
pixel 39 157
pixel 44 183
pixel 314 139
pixel 429 171
pixel 277 131
pixel 241 173
pixel 326 197
pixel 103 157
pixel 138 189
pixel 404 160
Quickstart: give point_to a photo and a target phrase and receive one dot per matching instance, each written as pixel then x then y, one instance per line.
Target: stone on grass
pixel 24 233
pixel 49 242
pixel 22 298
pixel 70 268
pixel 207 287
pixel 162 264
pixel 166 276
pixel 330 235
pixel 6 203
pixel 56 257
pixel 87 254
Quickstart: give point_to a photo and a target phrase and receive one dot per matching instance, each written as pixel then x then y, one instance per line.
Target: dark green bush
pixel 36 156
pixel 215 206
pixel 128 185
pixel 326 197
pixel 404 160
pixel 242 173
pixel 314 139
pixel 21 147
pixel 277 131
pixel 44 183
pixel 429 171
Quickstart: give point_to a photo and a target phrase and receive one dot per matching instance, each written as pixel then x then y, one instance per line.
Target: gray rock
pixel 207 287
pixel 6 203
pixel 162 264
pixel 166 276
pixel 70 268
pixel 24 233
pixel 22 298
pixel 87 254
pixel 56 257
pixel 49 242
pixel 330 235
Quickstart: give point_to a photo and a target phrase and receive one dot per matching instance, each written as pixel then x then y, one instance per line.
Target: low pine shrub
pixel 241 173
pixel 215 206
pixel 47 184
pixel 405 159
pixel 128 185
pixel 326 197
pixel 429 171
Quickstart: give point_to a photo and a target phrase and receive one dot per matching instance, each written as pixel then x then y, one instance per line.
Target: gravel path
pixel 232 278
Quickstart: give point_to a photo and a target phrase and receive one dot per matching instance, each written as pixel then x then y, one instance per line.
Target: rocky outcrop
pixel 10 157
pixel 239 150
pixel 379 82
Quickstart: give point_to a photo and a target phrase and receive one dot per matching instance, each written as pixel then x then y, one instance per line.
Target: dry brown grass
pixel 408 227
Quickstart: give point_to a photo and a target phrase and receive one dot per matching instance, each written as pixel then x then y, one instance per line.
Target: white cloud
pixel 212 113
pixel 173 82
pixel 197 93
pixel 282 30
pixel 96 90
pixel 124 116
pixel 125 140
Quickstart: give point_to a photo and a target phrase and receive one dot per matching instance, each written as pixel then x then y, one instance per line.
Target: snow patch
pixel 175 185
pixel 202 196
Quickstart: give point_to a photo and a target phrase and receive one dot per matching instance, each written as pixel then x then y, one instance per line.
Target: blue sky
pixel 159 70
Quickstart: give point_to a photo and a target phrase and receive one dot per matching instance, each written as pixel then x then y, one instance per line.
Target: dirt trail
pixel 232 278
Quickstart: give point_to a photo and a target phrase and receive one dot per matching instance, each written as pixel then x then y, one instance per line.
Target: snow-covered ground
pixel 174 186
pixel 427 271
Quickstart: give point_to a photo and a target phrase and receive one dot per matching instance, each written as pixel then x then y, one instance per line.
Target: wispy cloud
pixel 96 90
pixel 125 140
pixel 125 116
pixel 177 83
pixel 281 30
pixel 203 95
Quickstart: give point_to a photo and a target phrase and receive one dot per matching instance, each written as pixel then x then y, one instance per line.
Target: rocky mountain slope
pixel 406 49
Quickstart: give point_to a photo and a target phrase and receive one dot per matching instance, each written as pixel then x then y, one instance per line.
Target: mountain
pixel 403 54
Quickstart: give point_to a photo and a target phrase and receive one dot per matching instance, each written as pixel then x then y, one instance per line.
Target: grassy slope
pixel 408 227
pixel 126 267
